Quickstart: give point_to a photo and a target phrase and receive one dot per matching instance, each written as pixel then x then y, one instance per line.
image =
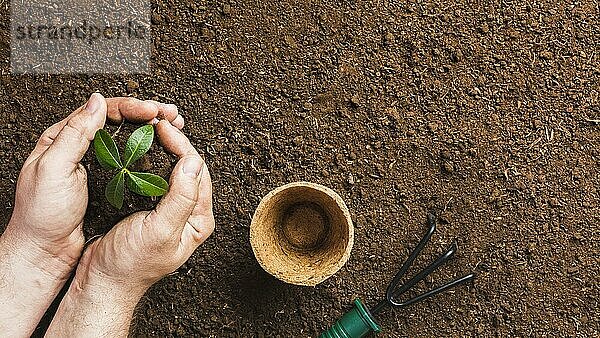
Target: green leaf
pixel 106 150
pixel 146 184
pixel 115 189
pixel 138 144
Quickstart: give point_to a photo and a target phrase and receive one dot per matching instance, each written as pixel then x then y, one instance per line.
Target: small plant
pixel 144 184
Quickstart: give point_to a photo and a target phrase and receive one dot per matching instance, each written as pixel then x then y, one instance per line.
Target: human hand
pixel 43 240
pixel 148 245
pixel 51 195
pixel 117 269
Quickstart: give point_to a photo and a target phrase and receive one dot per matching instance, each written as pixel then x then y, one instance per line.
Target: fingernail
pixel 155 121
pixel 94 103
pixel 192 166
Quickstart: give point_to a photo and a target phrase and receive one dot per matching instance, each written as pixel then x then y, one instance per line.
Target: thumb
pixel 73 140
pixel 177 205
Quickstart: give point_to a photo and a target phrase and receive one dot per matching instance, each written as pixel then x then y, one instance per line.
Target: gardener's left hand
pixel 43 240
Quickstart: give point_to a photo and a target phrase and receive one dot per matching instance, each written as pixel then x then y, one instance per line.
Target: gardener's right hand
pixel 117 269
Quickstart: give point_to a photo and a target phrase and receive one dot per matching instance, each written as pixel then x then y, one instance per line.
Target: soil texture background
pixel 482 112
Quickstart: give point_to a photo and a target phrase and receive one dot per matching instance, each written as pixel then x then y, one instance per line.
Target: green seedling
pixel 144 184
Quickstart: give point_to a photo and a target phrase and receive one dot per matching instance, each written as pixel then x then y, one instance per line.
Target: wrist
pixel 30 255
pixel 90 279
pixel 104 292
pixel 95 307
pixel 92 284
pixel 29 281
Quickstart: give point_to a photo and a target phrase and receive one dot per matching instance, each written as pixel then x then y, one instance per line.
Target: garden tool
pixel 360 321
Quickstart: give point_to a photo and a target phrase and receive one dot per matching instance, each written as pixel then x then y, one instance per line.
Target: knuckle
pixel 49 135
pixel 148 219
pixel 203 227
pixel 76 127
pixel 185 199
pixel 130 102
pixel 164 235
pixel 46 164
pixel 47 138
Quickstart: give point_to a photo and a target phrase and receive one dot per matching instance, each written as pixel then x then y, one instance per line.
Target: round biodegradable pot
pixel 302 233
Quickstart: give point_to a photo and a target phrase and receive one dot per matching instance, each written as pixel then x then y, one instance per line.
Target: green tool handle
pixel 356 323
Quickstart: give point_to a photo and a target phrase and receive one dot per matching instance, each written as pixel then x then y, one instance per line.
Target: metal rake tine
pixel 424 273
pixel 456 282
pixel 411 258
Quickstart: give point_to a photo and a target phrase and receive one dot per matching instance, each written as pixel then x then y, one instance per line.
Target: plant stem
pixel 118 129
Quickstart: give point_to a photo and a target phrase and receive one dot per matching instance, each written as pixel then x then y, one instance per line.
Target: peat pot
pixel 302 233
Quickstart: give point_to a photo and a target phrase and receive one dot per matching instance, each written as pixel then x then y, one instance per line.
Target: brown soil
pixel 478 112
pixel 305 226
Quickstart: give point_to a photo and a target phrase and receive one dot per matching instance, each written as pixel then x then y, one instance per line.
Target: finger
pixel 47 138
pixel 138 111
pixel 201 222
pixel 178 122
pixel 72 142
pixel 177 205
pixel 131 109
pixel 173 211
pixel 168 112
pixel 173 140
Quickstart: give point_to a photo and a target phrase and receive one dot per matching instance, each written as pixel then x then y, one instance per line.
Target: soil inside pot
pixel 305 226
